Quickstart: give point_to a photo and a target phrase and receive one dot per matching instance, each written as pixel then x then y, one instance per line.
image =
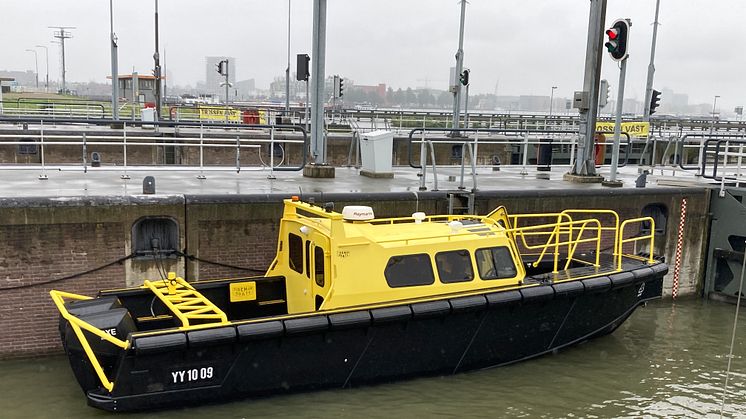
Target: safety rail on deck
pixel 78 325
pixel 44 139
pixel 636 238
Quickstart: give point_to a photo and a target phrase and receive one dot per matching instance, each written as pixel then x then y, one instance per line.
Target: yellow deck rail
pixel 78 326
pixel 635 239
pixel 186 303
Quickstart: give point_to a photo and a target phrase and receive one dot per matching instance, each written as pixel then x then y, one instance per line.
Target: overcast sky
pixel 512 46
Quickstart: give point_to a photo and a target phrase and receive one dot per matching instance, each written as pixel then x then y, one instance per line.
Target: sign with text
pixel 634 129
pixel 218 113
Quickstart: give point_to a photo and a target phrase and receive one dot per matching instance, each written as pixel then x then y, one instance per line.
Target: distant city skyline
pixel 512 47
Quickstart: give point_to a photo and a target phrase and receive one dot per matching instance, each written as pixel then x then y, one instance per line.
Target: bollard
pixel 148 185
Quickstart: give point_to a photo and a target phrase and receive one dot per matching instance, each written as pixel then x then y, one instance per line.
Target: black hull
pixel 369 346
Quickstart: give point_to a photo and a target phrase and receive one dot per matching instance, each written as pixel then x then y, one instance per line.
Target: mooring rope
pixel 733 336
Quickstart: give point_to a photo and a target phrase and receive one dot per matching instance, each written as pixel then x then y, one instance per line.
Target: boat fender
pixel 350 320
pixel 263 330
pixel 160 343
pixel 94 305
pixel 598 284
pixel 504 298
pixel 431 309
pixel 210 337
pixel 306 325
pixel 568 289
pixel 391 314
pixel 659 269
pixel 621 279
pixel 537 294
pixel 467 304
pixel 643 274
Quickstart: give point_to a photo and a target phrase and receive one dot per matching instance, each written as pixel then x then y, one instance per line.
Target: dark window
pixel 295 252
pixel 737 243
pixel 409 270
pixel 318 256
pixel 155 235
pixel 30 148
pixel 308 259
pixel 454 266
pixel 660 216
pixel 495 263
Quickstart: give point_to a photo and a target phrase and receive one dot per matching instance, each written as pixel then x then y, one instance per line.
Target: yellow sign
pixel 243 291
pixel 634 129
pixel 218 113
pixel 263 118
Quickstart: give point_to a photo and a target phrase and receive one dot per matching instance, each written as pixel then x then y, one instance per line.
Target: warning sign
pixel 217 113
pixel 634 129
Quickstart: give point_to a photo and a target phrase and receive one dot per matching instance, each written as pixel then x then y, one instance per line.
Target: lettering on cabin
pixel 193 374
pixel 343 253
pixel 111 332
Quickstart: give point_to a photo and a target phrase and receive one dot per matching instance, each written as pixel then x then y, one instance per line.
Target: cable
pixel 224 265
pixel 64 278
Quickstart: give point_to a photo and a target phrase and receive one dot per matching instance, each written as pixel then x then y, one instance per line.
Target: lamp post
pixel 702 141
pixel 114 65
pixel 712 122
pixel 287 72
pixel 36 64
pixel 46 55
pixel 551 101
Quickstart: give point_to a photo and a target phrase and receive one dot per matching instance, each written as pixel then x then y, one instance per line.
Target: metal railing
pixel 237 137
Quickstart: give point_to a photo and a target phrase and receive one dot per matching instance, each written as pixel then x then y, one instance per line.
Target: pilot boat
pixel 351 299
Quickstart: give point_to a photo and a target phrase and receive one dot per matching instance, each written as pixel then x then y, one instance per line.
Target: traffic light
pixel 655 98
pixel 603 93
pixel 338 86
pixel 301 67
pixel 464 77
pixel 618 36
pixel 221 67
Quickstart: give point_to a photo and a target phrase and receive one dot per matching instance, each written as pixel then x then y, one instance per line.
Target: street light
pixel 712 122
pixel 36 63
pixel 46 54
pixel 551 102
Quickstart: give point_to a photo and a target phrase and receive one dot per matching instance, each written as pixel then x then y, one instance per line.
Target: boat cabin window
pixel 308 259
pixel 295 252
pixel 318 260
pixel 409 270
pixel 495 263
pixel 454 266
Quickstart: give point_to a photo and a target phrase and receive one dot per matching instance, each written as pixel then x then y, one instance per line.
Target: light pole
pixel 551 101
pixel 46 55
pixel 36 64
pixel 114 65
pixel 157 69
pixel 702 141
pixel 712 122
pixel 287 72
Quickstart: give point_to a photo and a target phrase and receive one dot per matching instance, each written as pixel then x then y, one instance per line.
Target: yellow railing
pixel 78 325
pixel 567 234
pixel 650 236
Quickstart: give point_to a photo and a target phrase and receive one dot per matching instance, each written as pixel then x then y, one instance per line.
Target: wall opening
pixel 155 235
pixel 659 214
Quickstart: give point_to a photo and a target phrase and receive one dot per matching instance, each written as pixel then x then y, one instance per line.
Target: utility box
pixel 147 115
pixel 376 151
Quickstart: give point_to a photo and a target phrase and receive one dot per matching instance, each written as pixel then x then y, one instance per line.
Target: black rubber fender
pixel 350 320
pixel 622 279
pixel 391 314
pixel 304 325
pixel 504 298
pixel 159 343
pixel 209 337
pixel 431 309
pixel 466 304
pixel 568 289
pixel 257 331
pixel 597 284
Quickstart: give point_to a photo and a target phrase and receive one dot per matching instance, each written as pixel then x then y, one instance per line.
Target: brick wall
pixel 34 254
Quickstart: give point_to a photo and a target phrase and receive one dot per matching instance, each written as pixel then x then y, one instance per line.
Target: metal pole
pixel 306 111
pixel 114 65
pixel 700 161
pixel 226 87
pixel 551 101
pixel 651 66
pixel 317 79
pixel 46 53
pixel 157 71
pixel 459 69
pixel 62 44
pixel 466 110
pixel 584 161
pixel 618 121
pixel 287 71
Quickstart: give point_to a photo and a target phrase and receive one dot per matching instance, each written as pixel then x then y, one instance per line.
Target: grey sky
pixel 522 46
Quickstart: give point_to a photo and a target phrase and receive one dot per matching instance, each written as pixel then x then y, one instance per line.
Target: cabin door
pixel 318 265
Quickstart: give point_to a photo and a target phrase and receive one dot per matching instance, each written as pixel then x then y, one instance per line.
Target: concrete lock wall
pixel 82 245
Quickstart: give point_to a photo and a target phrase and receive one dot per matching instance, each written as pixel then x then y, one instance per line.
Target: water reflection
pixel 665 361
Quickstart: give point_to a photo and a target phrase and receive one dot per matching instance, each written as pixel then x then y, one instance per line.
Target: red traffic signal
pixel 618 39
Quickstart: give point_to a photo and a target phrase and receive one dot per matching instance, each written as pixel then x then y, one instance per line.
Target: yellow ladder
pixel 186 303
